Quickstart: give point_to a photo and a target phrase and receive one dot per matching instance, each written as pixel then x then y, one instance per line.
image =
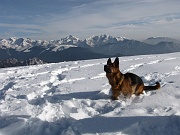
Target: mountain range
pixel 72 48
pixel 12 62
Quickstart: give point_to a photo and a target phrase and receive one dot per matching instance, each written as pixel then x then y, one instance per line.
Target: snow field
pixel 74 98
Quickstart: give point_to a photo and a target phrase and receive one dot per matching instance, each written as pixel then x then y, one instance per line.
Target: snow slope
pixel 73 98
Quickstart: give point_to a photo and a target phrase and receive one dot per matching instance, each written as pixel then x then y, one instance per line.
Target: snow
pixel 73 98
pixel 62 47
pixel 101 40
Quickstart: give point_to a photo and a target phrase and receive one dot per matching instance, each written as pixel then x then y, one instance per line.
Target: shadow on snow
pixel 141 125
pixel 56 98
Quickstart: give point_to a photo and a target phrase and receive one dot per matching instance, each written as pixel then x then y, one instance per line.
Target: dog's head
pixel 112 67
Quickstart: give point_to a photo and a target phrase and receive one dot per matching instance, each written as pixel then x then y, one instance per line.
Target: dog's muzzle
pixel 107 69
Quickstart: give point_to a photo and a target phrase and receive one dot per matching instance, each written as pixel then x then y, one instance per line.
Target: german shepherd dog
pixel 124 84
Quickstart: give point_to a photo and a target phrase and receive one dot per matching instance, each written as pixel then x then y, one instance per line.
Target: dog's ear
pixel 109 61
pixel 116 62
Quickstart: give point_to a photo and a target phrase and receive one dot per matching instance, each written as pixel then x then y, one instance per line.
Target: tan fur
pixel 124 84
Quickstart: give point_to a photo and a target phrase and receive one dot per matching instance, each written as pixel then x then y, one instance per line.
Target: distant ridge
pixel 12 62
pixel 156 40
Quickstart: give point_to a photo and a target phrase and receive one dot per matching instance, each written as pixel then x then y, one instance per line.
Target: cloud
pixel 19 30
pixel 130 18
pixel 115 17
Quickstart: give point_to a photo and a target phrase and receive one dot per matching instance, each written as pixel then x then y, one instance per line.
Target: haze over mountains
pixel 72 48
pixel 156 40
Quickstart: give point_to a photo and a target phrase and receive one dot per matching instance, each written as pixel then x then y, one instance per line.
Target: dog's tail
pixel 157 86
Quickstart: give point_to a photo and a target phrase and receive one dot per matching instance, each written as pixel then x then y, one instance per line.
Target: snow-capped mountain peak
pixel 102 39
pixel 92 41
pixel 21 43
pixel 120 38
pixel 69 40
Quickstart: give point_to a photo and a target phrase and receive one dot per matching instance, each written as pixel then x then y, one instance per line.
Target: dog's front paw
pixel 114 98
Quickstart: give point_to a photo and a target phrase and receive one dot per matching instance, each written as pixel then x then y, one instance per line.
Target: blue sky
pixel 55 19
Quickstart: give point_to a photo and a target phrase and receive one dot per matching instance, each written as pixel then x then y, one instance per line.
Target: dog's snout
pixel 107 69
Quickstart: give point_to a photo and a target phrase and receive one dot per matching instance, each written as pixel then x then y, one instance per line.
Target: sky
pixel 55 19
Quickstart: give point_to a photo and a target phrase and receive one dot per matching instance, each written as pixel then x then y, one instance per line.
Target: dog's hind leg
pixel 139 90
